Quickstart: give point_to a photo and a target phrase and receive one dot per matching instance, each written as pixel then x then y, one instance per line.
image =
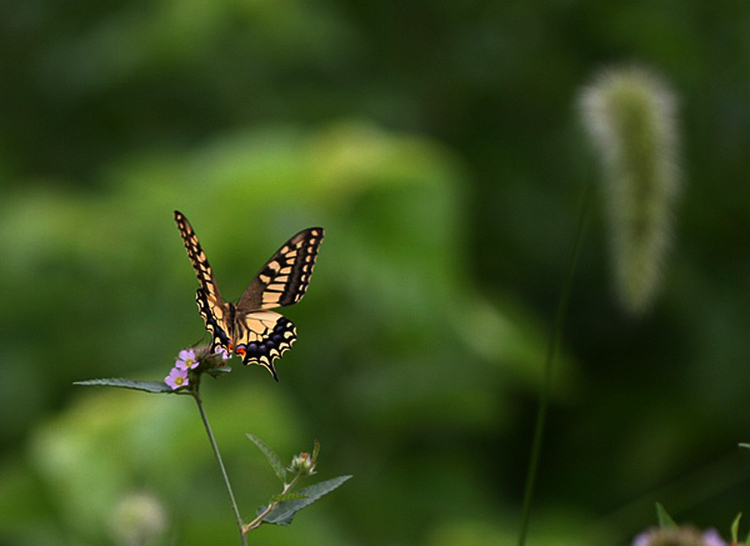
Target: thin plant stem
pixel 259 519
pixel 553 349
pixel 215 448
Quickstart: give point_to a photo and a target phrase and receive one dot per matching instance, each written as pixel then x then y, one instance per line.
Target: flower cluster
pixel 180 375
pixel 303 464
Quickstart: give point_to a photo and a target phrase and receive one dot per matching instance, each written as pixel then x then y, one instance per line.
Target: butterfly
pixel 249 328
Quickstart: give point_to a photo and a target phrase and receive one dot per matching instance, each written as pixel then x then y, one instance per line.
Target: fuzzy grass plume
pixel 630 116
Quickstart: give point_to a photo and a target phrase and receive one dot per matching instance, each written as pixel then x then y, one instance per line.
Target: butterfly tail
pixel 248 360
pixel 272 370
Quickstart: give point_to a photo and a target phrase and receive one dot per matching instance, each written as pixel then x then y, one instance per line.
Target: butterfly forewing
pixel 198 258
pixel 284 279
pixel 258 335
pixel 217 314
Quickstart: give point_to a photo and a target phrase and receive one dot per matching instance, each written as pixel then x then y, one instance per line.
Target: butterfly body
pixel 249 328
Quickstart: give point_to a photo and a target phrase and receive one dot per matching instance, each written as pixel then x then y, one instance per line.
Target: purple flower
pixel 186 360
pixel 177 378
pixel 678 536
pixel 712 538
pixel 225 355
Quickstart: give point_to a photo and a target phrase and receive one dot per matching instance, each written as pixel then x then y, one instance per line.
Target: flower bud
pixel 303 464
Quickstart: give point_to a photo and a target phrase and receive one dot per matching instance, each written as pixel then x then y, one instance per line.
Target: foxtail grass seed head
pixel 630 116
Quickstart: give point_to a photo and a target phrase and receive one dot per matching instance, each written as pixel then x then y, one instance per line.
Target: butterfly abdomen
pixel 218 320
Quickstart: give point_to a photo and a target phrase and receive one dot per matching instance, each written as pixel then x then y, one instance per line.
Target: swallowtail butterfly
pixel 249 328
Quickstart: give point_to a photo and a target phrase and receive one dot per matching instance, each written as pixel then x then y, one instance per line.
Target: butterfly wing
pixel 262 337
pixel 285 278
pixel 217 314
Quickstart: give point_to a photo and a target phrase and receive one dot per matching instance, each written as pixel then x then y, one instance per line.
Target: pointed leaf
pixel 736 528
pixel 146 386
pixel 665 520
pixel 283 513
pixel 273 459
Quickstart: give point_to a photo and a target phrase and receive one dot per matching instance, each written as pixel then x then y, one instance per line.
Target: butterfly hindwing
pixel 262 337
pixel 258 335
pixel 284 279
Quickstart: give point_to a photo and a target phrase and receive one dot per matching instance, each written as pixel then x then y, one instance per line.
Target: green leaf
pixel 745 446
pixel 736 527
pixel 665 520
pixel 146 386
pixel 283 513
pixel 273 459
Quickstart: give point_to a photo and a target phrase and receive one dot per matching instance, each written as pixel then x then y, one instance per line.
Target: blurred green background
pixel 438 144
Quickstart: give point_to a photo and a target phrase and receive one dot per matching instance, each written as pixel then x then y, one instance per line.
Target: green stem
pixel 552 352
pixel 259 519
pixel 215 448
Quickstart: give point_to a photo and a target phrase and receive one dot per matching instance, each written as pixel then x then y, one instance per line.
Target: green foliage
pixel 735 529
pixel 283 506
pixel 137 524
pixel 273 459
pixel 146 386
pixel 283 512
pixel 665 520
